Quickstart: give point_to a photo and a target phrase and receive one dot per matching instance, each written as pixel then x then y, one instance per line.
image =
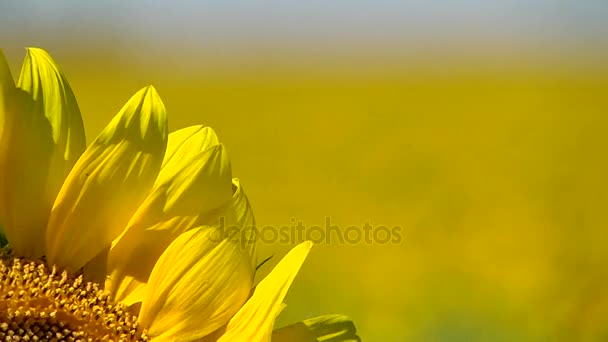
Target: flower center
pixel 41 304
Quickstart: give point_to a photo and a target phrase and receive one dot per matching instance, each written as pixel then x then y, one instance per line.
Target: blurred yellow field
pixel 495 171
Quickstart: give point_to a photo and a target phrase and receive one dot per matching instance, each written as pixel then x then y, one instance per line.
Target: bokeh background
pixel 479 127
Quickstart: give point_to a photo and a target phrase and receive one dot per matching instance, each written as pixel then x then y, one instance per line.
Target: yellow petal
pixel 254 321
pixel 297 332
pixel 33 158
pixel 7 89
pixel 108 182
pixel 328 328
pixel 244 219
pixel 186 142
pixel 193 182
pixel 196 184
pixel 52 95
pixel 195 287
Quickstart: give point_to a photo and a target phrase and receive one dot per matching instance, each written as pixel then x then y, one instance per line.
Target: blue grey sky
pixel 329 24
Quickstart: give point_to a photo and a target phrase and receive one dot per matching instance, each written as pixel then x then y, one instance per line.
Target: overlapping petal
pixel 199 282
pixel 7 90
pixel 328 328
pixel 254 321
pixel 109 181
pixel 244 221
pixel 53 97
pixel 42 137
pixel 194 182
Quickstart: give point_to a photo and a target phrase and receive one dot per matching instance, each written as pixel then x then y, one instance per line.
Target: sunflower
pixel 143 235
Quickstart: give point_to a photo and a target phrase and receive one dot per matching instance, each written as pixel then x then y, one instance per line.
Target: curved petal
pixel 297 332
pixel 193 182
pixel 43 138
pixel 7 90
pixel 244 220
pixel 328 328
pixel 187 142
pixel 195 287
pixel 254 321
pixel 41 78
pixel 108 183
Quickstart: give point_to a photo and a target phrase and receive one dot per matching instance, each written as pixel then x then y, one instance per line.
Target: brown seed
pixel 38 303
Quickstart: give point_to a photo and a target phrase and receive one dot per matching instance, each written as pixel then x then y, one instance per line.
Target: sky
pixel 326 24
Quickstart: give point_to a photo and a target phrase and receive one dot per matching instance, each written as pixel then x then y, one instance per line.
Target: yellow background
pixel 493 163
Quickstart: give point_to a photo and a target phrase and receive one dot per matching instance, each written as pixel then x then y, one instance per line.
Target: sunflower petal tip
pixel 33 51
pixel 151 90
pixel 339 327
